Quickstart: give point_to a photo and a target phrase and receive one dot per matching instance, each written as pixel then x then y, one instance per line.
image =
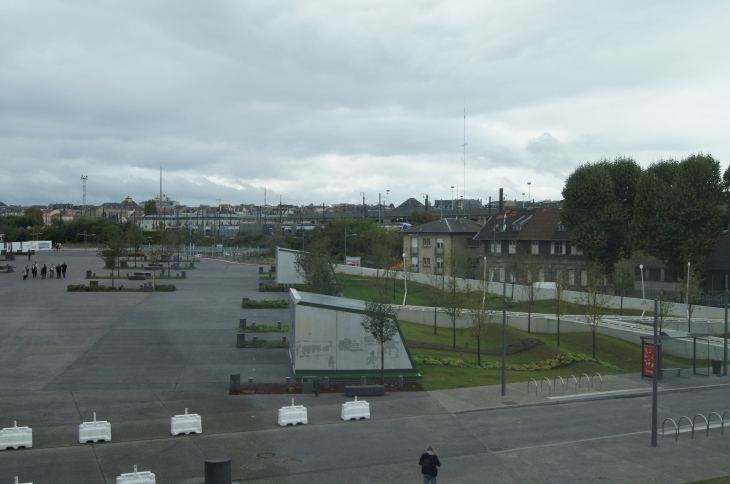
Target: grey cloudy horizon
pixel 320 101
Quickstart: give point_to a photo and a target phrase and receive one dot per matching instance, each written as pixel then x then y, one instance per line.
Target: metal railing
pixel 439 250
pixel 693 424
pixel 414 250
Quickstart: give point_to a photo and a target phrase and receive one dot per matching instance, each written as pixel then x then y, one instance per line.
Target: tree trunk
pixel 112 277
pixel 558 330
pixel 479 352
pixel 594 343
pixel 434 320
pixel 382 364
pixel 529 314
pixel 453 322
pixel 622 304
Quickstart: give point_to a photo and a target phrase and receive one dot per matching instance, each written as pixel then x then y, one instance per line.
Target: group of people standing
pixel 57 270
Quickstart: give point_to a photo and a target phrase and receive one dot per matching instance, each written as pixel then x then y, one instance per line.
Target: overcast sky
pixel 319 101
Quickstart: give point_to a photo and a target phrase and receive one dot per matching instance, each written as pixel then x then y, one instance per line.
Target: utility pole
pixel 83 180
pixel 364 207
pixel 464 146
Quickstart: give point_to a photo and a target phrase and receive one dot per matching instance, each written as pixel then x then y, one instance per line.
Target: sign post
pixel 655 372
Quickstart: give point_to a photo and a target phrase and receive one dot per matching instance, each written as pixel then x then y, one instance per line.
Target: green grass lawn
pixel 717 480
pixel 365 288
pixel 624 355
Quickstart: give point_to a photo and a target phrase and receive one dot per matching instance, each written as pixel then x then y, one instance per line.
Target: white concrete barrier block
pixel 145 477
pixel 292 415
pixel 16 481
pixel 95 431
pixel 186 424
pixel 16 437
pixel 355 410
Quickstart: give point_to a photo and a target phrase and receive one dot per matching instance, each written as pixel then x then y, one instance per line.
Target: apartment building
pixel 428 247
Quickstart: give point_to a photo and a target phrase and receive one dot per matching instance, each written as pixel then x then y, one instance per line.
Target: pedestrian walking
pixel 44 271
pixel 51 271
pixel 429 462
pixel 63 269
pixel 28 254
pixel 34 270
pixel 25 272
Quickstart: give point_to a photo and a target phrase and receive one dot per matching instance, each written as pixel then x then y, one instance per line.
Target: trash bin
pixel 307 384
pixel 716 366
pixel 315 385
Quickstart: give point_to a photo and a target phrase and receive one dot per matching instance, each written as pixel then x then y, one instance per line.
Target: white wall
pixel 286 268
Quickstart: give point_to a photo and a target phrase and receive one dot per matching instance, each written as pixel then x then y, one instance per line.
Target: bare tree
pixel 691 292
pixel 531 267
pixel 454 304
pixel 112 252
pixel 480 317
pixel 317 269
pixel 623 279
pixel 595 303
pixel 665 305
pixel 561 285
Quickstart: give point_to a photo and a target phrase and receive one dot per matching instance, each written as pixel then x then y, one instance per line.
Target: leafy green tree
pixel 420 218
pixel 624 279
pixel 112 253
pixel 135 239
pixel 677 215
pixel 561 285
pixel 379 322
pixel 34 216
pixel 150 207
pixel 691 292
pixel 665 305
pixel 317 269
pixel 12 234
pixel 454 303
pixel 598 206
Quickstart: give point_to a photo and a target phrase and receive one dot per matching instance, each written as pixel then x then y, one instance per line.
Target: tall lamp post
pixel 346 236
pixel 405 279
pixel 689 319
pixel 528 193
pixel 484 296
pixel 643 294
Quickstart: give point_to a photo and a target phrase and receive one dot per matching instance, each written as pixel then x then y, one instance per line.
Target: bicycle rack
pixel 562 382
pixel 706 422
pixel 576 386
pixel 528 385
pixel 679 422
pixel 722 422
pixel 676 429
pixel 550 385
pixel 587 378
pixel 601 380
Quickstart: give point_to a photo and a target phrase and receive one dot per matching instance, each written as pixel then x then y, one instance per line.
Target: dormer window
pixel 561 227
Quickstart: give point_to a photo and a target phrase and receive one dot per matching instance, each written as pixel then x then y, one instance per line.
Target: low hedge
pixel 266 328
pixel 266 344
pixel 273 288
pixel 83 288
pixel 544 365
pixel 264 304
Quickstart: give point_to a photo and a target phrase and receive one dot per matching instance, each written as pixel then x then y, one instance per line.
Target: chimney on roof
pixel 501 199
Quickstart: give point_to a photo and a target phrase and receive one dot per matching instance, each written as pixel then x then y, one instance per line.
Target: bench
pixel 140 277
pixel 365 391
pixel 678 370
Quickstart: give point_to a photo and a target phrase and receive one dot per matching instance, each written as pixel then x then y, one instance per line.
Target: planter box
pixel 16 437
pixel 186 424
pixel 292 415
pixel 365 391
pixel 355 410
pixel 95 431
pixel 145 477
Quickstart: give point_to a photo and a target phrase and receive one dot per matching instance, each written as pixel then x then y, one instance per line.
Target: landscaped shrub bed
pixel 335 387
pixel 265 328
pixel 557 362
pixel 273 288
pixel 83 288
pixel 264 304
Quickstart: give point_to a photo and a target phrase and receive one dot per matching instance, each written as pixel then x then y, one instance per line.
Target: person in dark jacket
pixel 429 462
pixel 44 271
pixel 63 270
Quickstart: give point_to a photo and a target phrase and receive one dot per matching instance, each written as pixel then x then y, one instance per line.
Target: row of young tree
pixel 671 211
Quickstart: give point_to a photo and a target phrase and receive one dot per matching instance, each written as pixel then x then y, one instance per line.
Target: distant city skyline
pixel 318 102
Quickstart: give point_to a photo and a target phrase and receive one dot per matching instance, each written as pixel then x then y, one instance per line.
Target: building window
pixel 512 246
pixel 558 247
pixel 571 277
pixel 414 264
pixel 536 247
pixel 496 247
pixel 574 250
pixel 439 245
pixel 426 262
pixel 439 266
pixel 471 243
pixel 427 242
pixel 584 278
pixel 414 245
pixel 561 227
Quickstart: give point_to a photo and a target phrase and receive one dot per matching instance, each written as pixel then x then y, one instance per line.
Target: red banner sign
pixel 648 359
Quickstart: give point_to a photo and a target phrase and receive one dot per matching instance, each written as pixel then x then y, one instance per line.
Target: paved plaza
pixel 137 359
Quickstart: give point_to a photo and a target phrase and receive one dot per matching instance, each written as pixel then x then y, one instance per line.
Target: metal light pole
pixel 655 373
pixel 724 338
pixel 529 198
pixel 504 338
pixel 405 279
pixel 346 236
pixel 689 320
pixel 484 296
pixel 643 294
pixel 452 197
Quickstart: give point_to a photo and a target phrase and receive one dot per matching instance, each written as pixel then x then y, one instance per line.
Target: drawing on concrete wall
pixel 392 349
pixel 372 360
pixel 314 349
pixel 331 362
pixel 348 344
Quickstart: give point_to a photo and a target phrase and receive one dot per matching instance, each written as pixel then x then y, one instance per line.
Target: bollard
pixel 261 270
pixel 288 383
pixel 235 383
pixel 242 324
pixel 250 383
pixel 363 380
pixel 283 339
pixel 253 326
pixel 218 471
pixel 279 324
pixel 400 381
pixel 326 382
pixel 255 340
pixel 241 340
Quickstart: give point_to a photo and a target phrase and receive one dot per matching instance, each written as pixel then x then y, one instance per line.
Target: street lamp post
pixel 405 279
pixel 484 281
pixel 689 319
pixel 452 198
pixel 528 193
pixel 346 236
pixel 643 294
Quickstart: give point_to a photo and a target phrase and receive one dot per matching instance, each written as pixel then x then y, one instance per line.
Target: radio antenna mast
pixel 83 198
pixel 464 159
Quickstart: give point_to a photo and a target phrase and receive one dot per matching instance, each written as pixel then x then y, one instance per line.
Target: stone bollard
pixel 326 382
pixel 253 326
pixel 184 275
pixel 242 324
pixel 288 383
pixel 255 340
pixel 279 324
pixel 400 381
pixel 363 380
pixel 261 270
pixel 250 383
pixel 218 471
pixel 235 383
pixel 283 339
pixel 240 340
